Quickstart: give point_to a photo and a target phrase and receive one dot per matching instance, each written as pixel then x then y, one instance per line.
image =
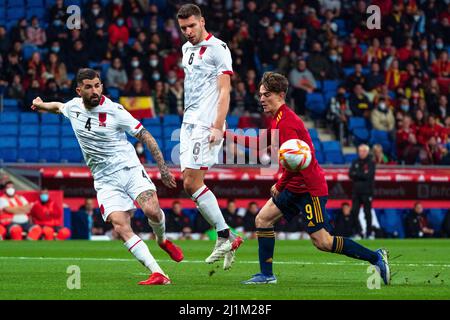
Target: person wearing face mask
pixel 382 117
pixel 47 214
pixel 139 147
pixel 118 31
pixel 334 71
pixel 14 210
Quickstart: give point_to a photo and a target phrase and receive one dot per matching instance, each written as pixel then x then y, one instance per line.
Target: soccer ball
pixel 295 155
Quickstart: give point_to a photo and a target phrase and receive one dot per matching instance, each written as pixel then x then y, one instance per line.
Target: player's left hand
pixel 274 192
pixel 216 136
pixel 168 179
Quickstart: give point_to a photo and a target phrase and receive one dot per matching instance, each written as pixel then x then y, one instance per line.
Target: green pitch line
pixel 38 270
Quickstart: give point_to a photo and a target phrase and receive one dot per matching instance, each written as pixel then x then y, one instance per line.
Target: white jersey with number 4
pixel 202 64
pixel 100 132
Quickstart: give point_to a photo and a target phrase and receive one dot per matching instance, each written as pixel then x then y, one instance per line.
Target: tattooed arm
pixel 147 139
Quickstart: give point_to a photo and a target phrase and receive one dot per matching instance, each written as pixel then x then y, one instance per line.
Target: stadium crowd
pixel 395 78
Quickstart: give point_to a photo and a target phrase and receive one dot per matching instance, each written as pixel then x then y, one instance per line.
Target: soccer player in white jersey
pixel 100 126
pixel 207 85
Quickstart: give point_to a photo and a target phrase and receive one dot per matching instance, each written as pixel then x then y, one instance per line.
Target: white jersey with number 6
pixel 202 64
pixel 101 135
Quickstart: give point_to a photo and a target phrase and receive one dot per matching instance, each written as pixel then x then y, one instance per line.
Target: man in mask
pixel 14 210
pixel 47 214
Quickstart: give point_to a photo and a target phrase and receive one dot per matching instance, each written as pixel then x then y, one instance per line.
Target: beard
pixel 92 101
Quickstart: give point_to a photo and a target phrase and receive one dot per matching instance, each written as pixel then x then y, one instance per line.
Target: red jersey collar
pixel 283 106
pixel 208 36
pixel 102 100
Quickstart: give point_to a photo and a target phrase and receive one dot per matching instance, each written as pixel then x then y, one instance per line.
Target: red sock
pixel 63 234
pixel 15 232
pixel 49 233
pixel 34 233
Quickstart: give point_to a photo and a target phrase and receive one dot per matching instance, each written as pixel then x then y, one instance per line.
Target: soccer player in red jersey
pixel 305 191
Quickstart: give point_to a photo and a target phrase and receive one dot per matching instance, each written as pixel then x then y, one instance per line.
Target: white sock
pixel 209 208
pixel 140 250
pixel 159 228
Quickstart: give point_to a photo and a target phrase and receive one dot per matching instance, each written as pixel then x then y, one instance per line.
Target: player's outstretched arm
pixel 147 139
pixel 53 107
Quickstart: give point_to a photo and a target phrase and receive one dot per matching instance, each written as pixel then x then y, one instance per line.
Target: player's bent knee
pixel 323 241
pixel 262 221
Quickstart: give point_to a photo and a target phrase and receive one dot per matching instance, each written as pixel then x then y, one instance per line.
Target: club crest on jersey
pixel 102 119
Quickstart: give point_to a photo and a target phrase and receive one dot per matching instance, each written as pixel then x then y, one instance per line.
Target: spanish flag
pixel 139 107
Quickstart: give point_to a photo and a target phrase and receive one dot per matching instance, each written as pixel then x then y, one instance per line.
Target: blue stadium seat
pixel 332 145
pixel 169 130
pixel 315 102
pixel 16 3
pixel 9 117
pixel 156 131
pixel 363 47
pixel 114 93
pixel 29 118
pixel 8 142
pixel 435 218
pixel 28 142
pixel 29 130
pixel 320 157
pixel 313 134
pixel 50 130
pixel 232 121
pixel 391 221
pixel 348 158
pixel 10 130
pixel 330 85
pixel 28 154
pixel 8 154
pixel 73 2
pixel 149 156
pixel 67 131
pixel 334 157
pixel 50 155
pixel 150 122
pixel 38 12
pixel 356 122
pixel 171 120
pixel 14 14
pixel 72 155
pixel 381 137
pixel 35 3
pixel 69 143
pixel 361 135
pixel 172 151
pixel 317 144
pixel 50 118
pixel 49 142
pixel 10 105
pixel 348 71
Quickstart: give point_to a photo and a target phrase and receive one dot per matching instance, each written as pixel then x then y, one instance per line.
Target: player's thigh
pixel 314 212
pixel 268 215
pixel 112 197
pixel 195 150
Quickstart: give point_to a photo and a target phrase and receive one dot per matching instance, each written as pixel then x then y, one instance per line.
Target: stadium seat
pixel 381 137
pixel 10 130
pixel 16 3
pixel 69 143
pixel 9 117
pixel 172 151
pixel 49 155
pixel 50 131
pixel 28 154
pixel 29 130
pixel 320 157
pixel 28 142
pixel 150 122
pixel 232 121
pixel 361 135
pixel 38 12
pixel 114 93
pixel 67 131
pixel 49 142
pixel 316 104
pixel 348 158
pixel 348 71
pixel 50 118
pixel 156 131
pixel 435 218
pixel 330 86
pixel 171 120
pixel 391 221
pixel 73 2
pixel 356 122
pixel 10 105
pixel 332 145
pixel 334 157
pixel 14 14
pixel 172 130
pixel 72 155
pixel 317 144
pixel 35 3
pixel 29 118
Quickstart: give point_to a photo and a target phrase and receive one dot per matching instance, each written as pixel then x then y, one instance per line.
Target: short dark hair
pixel 188 10
pixel 86 74
pixel 8 182
pixel 274 82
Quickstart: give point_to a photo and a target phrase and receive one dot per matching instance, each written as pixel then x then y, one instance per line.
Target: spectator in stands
pixel 362 173
pixel 335 71
pixel 359 103
pixel 175 98
pixel 52 91
pixel 404 54
pixel 249 220
pixel 374 53
pixel 118 31
pixel 345 224
pixel 302 82
pixel 231 216
pixel 338 114
pixel 160 98
pixel 178 222
pixel 13 67
pixel 16 90
pixel 441 69
pixel 378 154
pixel 97 40
pixel 416 224
pixel 5 42
pixel 36 70
pixel 58 71
pixel 137 86
pixel 78 57
pixel 19 32
pixel 14 210
pixel 96 11
pixel 407 145
pixel 139 147
pixel 442 110
pixel 382 118
pixel 242 101
pixel 48 215
pixel 375 79
pixel 116 76
pixel 88 221
pixel 58 12
pixel 317 62
pixel 357 77
pixel 397 24
pixel 352 53
pixel 394 76
pixel 35 34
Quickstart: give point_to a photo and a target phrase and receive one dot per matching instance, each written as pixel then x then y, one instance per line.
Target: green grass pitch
pixel 38 270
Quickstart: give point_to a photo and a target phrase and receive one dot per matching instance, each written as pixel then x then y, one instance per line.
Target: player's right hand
pixel 168 179
pixel 36 103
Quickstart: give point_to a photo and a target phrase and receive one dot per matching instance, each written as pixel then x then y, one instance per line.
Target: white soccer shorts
pixel 118 191
pixel 195 150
